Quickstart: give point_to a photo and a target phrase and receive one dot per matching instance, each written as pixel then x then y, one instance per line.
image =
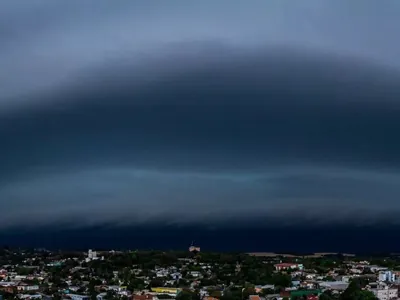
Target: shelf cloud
pixel 196 118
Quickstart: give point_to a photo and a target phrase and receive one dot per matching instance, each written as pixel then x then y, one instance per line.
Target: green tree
pixel 232 294
pixel 281 280
pixel 111 295
pixel 92 290
pixel 354 292
pixel 327 295
pixel 188 295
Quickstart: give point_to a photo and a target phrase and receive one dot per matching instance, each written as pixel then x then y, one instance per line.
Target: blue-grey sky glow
pixel 199 111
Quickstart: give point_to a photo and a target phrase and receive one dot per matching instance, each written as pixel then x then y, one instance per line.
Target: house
pixel 259 288
pixel 195 273
pixel 166 290
pixel 296 283
pixel 78 297
pixel 161 274
pixel 210 298
pixel 375 268
pixel 176 275
pixel 8 287
pixel 334 285
pixel 287 266
pixel 101 296
pixel 254 297
pixel 311 276
pixel 116 288
pixel 26 287
pixel 28 296
pixel 19 277
pixel 143 297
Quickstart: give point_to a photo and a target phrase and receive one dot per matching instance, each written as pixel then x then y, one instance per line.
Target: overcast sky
pixel 197 111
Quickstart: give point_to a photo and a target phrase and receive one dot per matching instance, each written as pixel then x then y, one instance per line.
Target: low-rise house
pixel 143 297
pixel 78 297
pixel 310 276
pixel 8 287
pixel 176 275
pixel 28 296
pixel 210 298
pixel 116 288
pixel 101 296
pixel 302 293
pixel 259 288
pixel 287 266
pixel 195 273
pixel 375 268
pixel 161 273
pixel 73 288
pixel 3 273
pixel 309 284
pixel 19 277
pixel 254 297
pixel 296 283
pixel 166 290
pixel 27 287
pixel 344 278
pixel 334 285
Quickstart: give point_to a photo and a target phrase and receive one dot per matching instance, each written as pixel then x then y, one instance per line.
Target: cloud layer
pixel 182 124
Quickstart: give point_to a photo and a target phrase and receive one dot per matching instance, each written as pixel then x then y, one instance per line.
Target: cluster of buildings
pixel 383 283
pixel 92 255
pixel 37 280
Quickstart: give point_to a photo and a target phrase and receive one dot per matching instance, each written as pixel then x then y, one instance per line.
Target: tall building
pixel 92 254
pixel 387 276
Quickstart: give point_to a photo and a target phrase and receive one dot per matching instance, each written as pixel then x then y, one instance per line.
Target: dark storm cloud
pixel 252 134
pixel 261 107
pixel 139 112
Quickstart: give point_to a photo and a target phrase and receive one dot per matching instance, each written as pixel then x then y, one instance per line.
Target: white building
pixel 375 268
pixel 26 287
pixel 387 276
pixel 385 293
pixel 195 273
pixel 92 254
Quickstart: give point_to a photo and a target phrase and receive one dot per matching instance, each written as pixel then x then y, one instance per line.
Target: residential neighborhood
pixel 196 275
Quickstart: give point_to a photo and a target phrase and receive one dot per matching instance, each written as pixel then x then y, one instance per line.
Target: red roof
pixel 285 265
pixel 143 297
